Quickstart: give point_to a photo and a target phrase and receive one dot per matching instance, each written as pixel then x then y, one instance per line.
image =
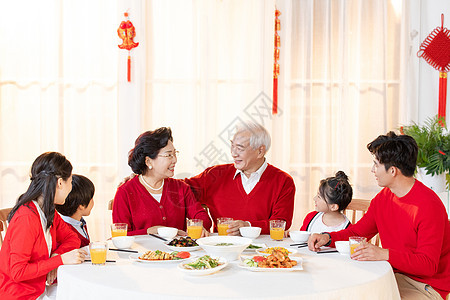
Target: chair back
pixel 356 210
pixel 110 204
pixel 3 222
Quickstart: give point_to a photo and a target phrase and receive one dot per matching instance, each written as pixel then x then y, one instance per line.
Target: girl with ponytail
pixel 38 240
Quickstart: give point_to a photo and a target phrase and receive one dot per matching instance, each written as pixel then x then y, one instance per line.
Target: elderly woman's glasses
pixel 170 155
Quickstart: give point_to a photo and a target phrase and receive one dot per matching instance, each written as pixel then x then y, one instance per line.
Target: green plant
pixel 433 140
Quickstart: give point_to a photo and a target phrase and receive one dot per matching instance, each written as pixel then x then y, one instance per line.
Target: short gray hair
pixel 258 134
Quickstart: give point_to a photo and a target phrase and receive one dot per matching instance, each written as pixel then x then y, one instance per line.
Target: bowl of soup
pixel 228 247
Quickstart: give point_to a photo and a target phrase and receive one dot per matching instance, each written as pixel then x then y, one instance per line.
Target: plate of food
pixel 275 262
pixel 159 256
pixel 268 251
pixel 204 265
pixel 183 244
pixel 255 247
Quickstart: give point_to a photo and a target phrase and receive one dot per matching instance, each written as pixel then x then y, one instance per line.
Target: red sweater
pixel 271 199
pixel 134 205
pixel 24 257
pixel 415 229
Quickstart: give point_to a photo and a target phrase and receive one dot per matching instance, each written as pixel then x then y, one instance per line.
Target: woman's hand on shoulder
pixel 126 179
pixel 74 257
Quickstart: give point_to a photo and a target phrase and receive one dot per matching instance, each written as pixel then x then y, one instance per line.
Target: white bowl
pixel 230 252
pixel 299 236
pixel 343 247
pixel 167 232
pixel 123 242
pixel 250 232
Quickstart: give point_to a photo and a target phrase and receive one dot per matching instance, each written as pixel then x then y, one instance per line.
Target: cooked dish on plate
pixel 161 255
pixel 277 259
pixel 202 263
pixel 183 242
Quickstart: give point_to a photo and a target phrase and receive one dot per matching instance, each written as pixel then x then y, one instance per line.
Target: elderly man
pixel 410 218
pixel 250 191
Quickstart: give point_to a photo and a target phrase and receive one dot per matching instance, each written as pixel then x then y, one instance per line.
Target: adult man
pixel 410 218
pixel 250 191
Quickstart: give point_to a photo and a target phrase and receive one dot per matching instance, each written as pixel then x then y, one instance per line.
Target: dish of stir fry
pixel 161 255
pixel 275 260
pixel 202 263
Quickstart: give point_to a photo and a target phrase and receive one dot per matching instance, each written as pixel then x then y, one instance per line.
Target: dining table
pixel 321 276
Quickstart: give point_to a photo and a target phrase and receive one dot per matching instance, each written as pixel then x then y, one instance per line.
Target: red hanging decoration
pixel 276 65
pixel 435 49
pixel 127 33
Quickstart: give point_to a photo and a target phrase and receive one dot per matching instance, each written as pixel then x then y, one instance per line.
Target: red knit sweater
pixel 271 199
pixel 24 257
pixel 415 229
pixel 135 206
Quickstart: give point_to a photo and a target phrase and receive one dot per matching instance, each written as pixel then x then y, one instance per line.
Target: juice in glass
pixel 194 228
pixel 223 225
pixel 98 252
pixel 355 241
pixel 119 229
pixel 277 229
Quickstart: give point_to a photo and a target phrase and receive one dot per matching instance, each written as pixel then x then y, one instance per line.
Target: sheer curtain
pixel 58 92
pixel 341 89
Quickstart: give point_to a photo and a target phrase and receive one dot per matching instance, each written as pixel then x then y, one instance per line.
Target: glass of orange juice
pixel 355 241
pixel 194 228
pixel 119 229
pixel 277 229
pixel 222 225
pixel 98 252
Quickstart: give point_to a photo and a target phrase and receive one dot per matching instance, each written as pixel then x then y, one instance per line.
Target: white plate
pixel 263 246
pixel 205 271
pixel 135 257
pixel 291 250
pixel 192 248
pixel 298 267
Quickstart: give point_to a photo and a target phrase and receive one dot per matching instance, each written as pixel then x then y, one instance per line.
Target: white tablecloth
pixel 324 276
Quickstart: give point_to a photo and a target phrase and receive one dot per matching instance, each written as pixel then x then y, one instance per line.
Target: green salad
pixel 202 263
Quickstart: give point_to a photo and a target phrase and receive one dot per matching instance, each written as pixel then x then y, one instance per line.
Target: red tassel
pixel 129 69
pixel 275 96
pixel 442 94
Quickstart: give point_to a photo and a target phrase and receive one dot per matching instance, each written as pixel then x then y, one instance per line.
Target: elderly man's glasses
pixel 170 155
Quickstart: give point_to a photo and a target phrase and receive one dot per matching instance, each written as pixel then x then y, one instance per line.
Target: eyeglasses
pixel 170 155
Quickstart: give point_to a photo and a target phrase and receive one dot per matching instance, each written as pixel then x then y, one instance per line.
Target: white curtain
pixel 200 67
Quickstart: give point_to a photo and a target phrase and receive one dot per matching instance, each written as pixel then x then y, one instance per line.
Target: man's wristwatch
pixel 329 241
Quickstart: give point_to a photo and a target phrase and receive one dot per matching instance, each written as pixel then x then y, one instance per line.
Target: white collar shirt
pixel 248 183
pixel 78 225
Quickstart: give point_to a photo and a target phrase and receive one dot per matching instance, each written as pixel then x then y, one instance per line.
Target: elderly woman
pixel 153 198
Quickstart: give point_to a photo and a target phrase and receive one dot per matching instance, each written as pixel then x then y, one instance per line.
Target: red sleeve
pixel 122 212
pixel 26 231
pixel 307 220
pixel 195 209
pixel 66 238
pixel 198 185
pixel 283 208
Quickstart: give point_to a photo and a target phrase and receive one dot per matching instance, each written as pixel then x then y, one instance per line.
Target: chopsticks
pixel 327 251
pixel 112 261
pixel 157 236
pixel 300 245
pixel 124 250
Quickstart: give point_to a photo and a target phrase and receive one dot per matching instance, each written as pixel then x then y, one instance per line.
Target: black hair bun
pixel 341 175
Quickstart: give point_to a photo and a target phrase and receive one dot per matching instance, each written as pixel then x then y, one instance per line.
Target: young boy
pixel 78 204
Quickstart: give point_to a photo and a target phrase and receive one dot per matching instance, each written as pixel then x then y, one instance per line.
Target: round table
pixel 324 276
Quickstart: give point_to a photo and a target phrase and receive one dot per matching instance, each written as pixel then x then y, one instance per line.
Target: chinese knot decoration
pixel 276 65
pixel 127 33
pixel 435 49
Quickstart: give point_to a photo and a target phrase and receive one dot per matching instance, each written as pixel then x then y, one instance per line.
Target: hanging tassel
pixel 275 96
pixel 129 68
pixel 442 95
